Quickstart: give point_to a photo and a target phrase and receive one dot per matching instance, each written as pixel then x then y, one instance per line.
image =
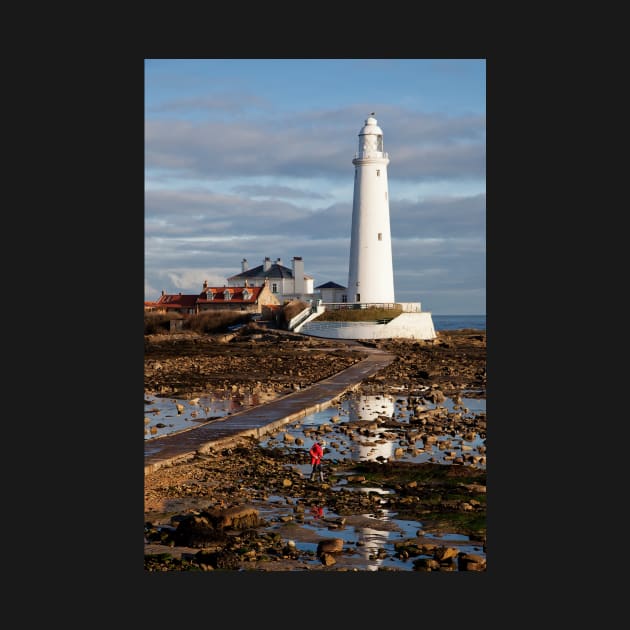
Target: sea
pixel 455 322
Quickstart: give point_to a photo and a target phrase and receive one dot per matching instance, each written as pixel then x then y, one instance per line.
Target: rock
pixel 231 478
pixel 330 545
pixel 327 559
pixel 445 553
pixel 471 562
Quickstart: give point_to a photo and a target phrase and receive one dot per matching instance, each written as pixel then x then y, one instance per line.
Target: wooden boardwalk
pixel 257 421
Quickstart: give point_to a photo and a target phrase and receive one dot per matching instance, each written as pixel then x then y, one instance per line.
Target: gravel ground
pixel 243 508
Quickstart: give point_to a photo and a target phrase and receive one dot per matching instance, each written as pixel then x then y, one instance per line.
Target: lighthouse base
pixel 405 326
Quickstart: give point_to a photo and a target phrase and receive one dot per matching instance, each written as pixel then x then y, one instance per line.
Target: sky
pixel 252 158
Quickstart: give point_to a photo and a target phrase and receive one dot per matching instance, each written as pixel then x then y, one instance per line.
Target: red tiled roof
pixel 180 300
pixel 236 295
pixel 177 300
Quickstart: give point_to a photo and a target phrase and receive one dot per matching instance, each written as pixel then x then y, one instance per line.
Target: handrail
pixel 403 307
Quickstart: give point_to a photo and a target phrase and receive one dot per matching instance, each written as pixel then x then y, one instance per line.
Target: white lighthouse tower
pixel 370 275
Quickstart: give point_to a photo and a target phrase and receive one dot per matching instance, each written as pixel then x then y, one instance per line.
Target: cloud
pixel 278 191
pixel 423 146
pixel 439 217
pixel 223 187
pixel 231 103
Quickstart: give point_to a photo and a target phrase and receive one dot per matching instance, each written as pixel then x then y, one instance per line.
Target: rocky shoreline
pixel 251 508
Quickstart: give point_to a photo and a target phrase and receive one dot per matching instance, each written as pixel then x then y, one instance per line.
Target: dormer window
pixel 246 294
pixel 227 294
pixel 209 295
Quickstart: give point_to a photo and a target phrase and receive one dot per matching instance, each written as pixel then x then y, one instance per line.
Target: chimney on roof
pixel 163 292
pixel 244 265
pixel 298 275
pixel 246 282
pixel 205 284
pixel 279 261
pixel 267 263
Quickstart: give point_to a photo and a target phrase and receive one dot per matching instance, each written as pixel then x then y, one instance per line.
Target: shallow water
pixel 163 417
pixel 364 548
pixel 382 443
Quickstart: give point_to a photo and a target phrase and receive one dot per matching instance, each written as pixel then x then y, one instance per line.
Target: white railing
pixel 315 325
pixel 370 154
pixel 403 307
pixel 336 306
pixel 300 317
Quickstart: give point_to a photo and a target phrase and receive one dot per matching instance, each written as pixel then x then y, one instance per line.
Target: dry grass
pixel 215 321
pixel 206 322
pixel 156 323
pixel 211 322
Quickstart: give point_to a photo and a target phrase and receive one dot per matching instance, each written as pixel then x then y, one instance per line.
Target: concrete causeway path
pixel 257 421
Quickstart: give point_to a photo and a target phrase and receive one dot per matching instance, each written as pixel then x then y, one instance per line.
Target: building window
pixel 344 298
pixel 378 172
pixel 227 295
pixel 380 236
pixel 358 297
pixel 274 288
pixel 246 294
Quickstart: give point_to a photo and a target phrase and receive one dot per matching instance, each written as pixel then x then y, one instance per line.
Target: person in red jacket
pixel 317 452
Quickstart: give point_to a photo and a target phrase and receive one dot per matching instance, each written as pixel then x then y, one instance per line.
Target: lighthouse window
pixel 378 172
pixel 380 236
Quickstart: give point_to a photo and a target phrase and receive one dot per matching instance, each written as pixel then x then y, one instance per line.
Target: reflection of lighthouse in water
pixel 371 407
pixel 368 408
pixel 372 540
pixel 369 450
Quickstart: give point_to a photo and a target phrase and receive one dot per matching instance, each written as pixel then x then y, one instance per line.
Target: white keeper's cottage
pixel 284 282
